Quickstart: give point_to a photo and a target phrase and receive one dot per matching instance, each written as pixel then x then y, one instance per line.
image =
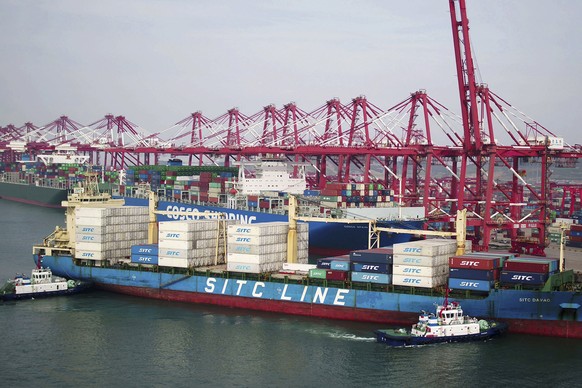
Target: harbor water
pixel 100 339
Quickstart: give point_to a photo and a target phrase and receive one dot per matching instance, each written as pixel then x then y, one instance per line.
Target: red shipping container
pixel 336 275
pixel 331 192
pixel 576 227
pixel 518 266
pixel 334 186
pixel 473 262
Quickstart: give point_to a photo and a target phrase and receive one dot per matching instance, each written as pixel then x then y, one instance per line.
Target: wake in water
pixel 342 335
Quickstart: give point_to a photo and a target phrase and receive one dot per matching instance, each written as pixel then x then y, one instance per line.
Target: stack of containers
pixel 575 236
pixel 109 233
pixel 145 254
pixel 345 195
pixel 332 268
pixel 215 188
pixel 474 271
pixel 372 265
pixel 528 271
pixel 188 244
pixel 325 262
pixel 297 268
pixel 204 185
pixel 423 263
pixel 262 247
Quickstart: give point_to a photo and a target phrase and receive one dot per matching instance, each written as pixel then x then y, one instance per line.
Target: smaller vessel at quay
pixel 41 284
pixel 447 325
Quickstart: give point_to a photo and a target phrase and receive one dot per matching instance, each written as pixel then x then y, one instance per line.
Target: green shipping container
pixel 317 273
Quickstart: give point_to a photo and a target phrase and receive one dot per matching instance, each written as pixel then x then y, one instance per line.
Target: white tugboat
pixel 40 284
pixel 447 325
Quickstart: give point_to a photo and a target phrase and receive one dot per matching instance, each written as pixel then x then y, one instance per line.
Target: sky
pixel 157 61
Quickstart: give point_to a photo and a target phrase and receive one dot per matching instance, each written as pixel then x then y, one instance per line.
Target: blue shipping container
pixel 311 193
pixel 471 284
pixel 144 259
pixel 473 274
pixel 326 262
pixel 339 265
pixel 530 278
pixel 372 267
pixel 145 249
pixel 366 277
pixel 372 256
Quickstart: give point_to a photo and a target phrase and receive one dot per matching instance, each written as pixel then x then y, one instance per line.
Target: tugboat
pixel 40 284
pixel 447 325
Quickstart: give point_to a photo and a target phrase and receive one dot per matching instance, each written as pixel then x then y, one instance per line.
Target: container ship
pixel 265 266
pixel 261 197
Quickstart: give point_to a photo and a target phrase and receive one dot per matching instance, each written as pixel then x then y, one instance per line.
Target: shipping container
pixel 172 262
pixel 340 265
pixel 145 249
pixel 317 273
pixel 367 277
pixel 418 281
pixel 524 266
pixel 471 284
pixel 424 261
pixel 474 262
pixel 431 247
pixel 377 255
pixel 144 259
pixel 552 262
pixel 475 274
pixel 419 270
pixel 336 275
pixel 259 229
pixel 528 278
pixel 371 267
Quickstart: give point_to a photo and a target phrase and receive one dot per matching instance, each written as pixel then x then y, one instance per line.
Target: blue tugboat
pixel 40 284
pixel 447 325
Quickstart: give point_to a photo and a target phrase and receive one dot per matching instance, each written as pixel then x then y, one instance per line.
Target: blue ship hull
pixel 553 313
pixel 325 239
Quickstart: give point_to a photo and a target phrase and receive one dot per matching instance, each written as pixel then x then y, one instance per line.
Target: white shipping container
pixel 235 238
pixel 172 262
pixel 177 236
pixel 423 261
pixel 257 249
pixel 264 258
pixel 89 255
pixel 86 229
pixel 176 244
pixel 176 253
pixel 410 270
pixel 418 281
pixel 253 268
pixel 188 226
pixel 298 267
pixel 95 238
pixel 424 248
pixel 259 229
pixel 93 212
pixel 90 246
pixel 91 221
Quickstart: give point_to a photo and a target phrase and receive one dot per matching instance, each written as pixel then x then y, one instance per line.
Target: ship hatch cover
pixel 574 306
